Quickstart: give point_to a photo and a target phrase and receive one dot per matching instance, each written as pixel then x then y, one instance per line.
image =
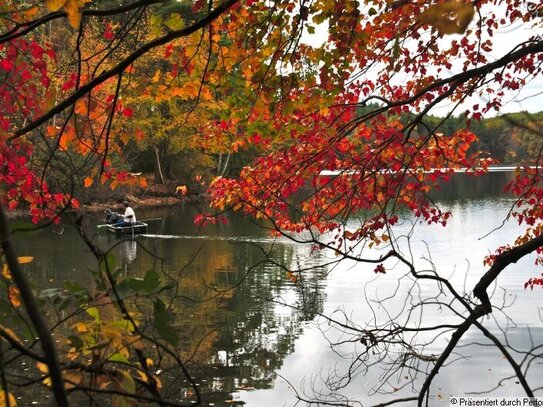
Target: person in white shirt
pixel 129 217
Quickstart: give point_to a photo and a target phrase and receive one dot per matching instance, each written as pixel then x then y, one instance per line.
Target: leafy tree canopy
pixel 333 98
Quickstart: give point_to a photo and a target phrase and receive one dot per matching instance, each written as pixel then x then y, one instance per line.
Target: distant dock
pixel 332 173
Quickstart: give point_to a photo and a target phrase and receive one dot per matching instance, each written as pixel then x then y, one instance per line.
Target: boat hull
pixel 138 228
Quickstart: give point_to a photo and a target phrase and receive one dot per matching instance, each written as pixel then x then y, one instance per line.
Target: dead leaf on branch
pixel 450 17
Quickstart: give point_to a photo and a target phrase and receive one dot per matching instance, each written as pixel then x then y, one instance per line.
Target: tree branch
pixel 30 26
pixel 501 262
pixel 33 311
pixel 121 66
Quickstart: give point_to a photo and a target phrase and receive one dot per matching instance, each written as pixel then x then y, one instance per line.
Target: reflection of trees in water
pixel 232 331
pixel 463 187
pixel 229 313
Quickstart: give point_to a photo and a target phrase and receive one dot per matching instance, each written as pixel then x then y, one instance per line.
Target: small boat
pixel 135 229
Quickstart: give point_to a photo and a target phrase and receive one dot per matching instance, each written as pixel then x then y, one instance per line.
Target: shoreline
pixel 134 202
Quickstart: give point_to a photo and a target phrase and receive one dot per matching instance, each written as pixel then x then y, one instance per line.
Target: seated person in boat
pixel 112 217
pixel 129 217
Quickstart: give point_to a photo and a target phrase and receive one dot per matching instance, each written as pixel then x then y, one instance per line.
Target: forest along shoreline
pixel 154 196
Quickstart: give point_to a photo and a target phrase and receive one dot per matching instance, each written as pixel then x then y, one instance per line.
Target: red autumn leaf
pixel 108 32
pixel 379 269
pixel 6 65
pixel 128 112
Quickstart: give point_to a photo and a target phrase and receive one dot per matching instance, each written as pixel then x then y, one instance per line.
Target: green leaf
pixel 108 263
pixel 156 24
pixel 396 49
pixel 127 382
pixel 29 333
pixel 135 284
pixel 93 312
pixel 117 357
pixel 73 287
pixel 75 341
pixel 98 346
pixel 175 22
pixel 151 281
pixel 122 324
pixel 162 319
pixel 319 18
pixel 77 291
pixel 123 290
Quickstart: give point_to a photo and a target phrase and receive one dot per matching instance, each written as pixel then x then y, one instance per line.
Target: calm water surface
pixel 265 336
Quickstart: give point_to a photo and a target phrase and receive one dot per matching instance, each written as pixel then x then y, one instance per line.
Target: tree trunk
pixel 225 165
pixel 158 171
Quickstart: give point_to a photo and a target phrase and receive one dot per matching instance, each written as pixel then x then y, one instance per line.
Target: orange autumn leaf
pixel 51 131
pixel 88 182
pixel 13 296
pixel 81 107
pixel 64 142
pixel 182 189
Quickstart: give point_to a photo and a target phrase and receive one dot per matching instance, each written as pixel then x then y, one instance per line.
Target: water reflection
pixel 243 320
pixel 128 250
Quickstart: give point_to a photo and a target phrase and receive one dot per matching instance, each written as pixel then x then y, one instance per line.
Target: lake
pixel 254 335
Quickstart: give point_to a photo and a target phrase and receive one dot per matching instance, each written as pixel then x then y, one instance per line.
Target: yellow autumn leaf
pixel 72 7
pixel 55 5
pixel 191 89
pixel 142 376
pixel 11 334
pixel 25 259
pixel 137 342
pixel 5 272
pixel 42 367
pixel 7 399
pixel 450 17
pixel 156 76
pixel 72 378
pixel 112 333
pixel 81 327
pixel 125 138
pixel 182 189
pixel 266 98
